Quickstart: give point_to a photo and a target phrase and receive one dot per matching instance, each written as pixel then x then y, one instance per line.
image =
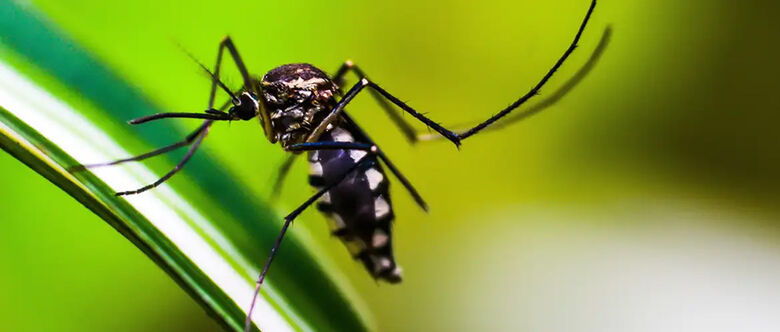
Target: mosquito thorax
pixel 297 97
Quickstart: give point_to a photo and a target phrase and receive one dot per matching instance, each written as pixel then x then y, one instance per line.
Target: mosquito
pixel 303 109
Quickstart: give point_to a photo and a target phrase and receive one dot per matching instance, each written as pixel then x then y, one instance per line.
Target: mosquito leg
pixel 227 43
pixel 352 93
pixel 195 137
pixel 345 67
pixel 404 181
pixel 178 167
pixel 227 103
pixel 287 221
pixel 450 135
pixel 553 98
pixel 216 82
pixel 535 90
pixel 250 85
pixel 187 141
pixel 283 170
pixel 338 111
pixel 405 128
pixel 211 113
pixel 332 146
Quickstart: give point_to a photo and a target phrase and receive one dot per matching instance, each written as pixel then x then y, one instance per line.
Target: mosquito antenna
pixel 211 75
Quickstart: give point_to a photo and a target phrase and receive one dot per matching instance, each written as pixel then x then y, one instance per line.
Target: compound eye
pixel 248 107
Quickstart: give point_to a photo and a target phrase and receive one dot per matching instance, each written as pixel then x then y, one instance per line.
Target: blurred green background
pixel 644 200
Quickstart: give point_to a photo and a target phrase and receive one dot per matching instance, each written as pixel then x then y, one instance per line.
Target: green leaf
pixel 210 236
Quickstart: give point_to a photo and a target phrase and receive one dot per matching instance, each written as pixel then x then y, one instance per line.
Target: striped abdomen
pixel 359 208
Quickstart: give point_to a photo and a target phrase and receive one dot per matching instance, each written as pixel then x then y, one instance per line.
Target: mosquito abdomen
pixel 359 209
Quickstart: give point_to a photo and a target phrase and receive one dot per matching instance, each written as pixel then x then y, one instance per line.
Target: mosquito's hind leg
pixel 454 137
pixel 406 129
pixel 551 99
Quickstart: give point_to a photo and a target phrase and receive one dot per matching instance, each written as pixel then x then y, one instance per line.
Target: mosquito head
pixel 297 98
pixel 245 106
